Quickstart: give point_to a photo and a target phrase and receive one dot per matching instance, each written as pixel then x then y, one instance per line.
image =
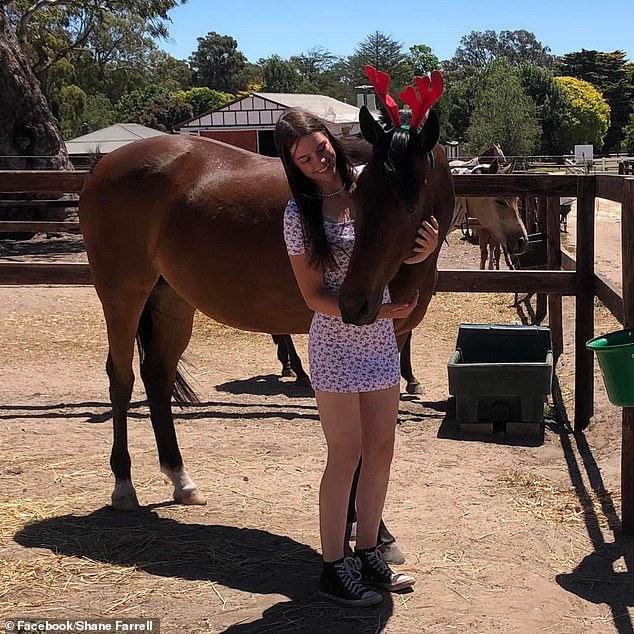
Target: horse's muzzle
pixel 359 310
pixel 518 246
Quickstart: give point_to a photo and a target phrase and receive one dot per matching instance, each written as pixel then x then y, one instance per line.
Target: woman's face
pixel 315 157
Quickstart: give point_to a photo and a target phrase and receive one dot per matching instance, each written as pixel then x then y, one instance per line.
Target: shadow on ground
pixel 250 560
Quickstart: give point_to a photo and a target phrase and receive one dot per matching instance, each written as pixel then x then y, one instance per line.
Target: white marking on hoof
pixel 124 496
pixel 185 489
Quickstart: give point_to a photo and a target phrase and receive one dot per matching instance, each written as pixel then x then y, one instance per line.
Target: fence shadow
pixel 595 578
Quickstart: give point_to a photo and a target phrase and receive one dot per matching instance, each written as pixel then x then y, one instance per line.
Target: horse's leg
pixel 122 314
pixel 413 386
pixel 496 252
pixel 296 363
pixel 164 332
pixel 483 242
pixel 282 354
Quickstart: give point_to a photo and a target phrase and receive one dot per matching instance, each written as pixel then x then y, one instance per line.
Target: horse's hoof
pixel 414 388
pixel 392 553
pixel 287 372
pixel 124 496
pixel 190 498
pixel 124 502
pixel 303 381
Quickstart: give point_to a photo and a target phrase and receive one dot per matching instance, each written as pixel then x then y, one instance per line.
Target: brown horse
pixel 174 223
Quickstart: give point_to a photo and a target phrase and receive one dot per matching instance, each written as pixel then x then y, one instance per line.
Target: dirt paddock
pixel 504 534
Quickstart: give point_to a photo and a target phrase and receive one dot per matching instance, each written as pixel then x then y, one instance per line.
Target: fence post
pixel 541 304
pixel 627 441
pixel 553 259
pixel 584 305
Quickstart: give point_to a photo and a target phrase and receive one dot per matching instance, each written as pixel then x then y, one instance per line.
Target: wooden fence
pixel 577 278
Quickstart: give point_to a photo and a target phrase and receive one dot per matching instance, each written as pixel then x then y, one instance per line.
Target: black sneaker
pixel 375 571
pixel 340 581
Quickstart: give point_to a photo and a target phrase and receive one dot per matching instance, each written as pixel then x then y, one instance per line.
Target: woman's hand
pixel 398 311
pixel 425 242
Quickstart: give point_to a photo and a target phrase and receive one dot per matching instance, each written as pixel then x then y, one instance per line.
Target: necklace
pixel 332 194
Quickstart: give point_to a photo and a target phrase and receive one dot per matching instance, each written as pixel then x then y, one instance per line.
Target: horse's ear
pixel 371 129
pixel 430 133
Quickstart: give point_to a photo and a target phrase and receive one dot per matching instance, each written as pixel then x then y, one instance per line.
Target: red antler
pixel 429 91
pixel 380 81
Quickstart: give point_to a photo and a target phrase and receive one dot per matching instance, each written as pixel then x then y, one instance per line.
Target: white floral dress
pixel 343 357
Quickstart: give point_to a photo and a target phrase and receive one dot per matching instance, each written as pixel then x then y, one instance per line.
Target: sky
pixel 289 27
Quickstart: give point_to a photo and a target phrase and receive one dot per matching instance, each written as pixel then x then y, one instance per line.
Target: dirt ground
pixel 503 533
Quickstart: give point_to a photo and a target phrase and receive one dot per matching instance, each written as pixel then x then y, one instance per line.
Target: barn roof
pixel 273 104
pixel 327 108
pixel 109 139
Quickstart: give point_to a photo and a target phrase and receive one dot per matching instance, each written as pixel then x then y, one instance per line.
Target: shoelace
pixel 350 574
pixel 377 561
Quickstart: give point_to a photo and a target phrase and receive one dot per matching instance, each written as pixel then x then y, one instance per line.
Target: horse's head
pixel 501 214
pixel 393 196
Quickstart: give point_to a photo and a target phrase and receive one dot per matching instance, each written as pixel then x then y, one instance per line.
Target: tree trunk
pixel 30 136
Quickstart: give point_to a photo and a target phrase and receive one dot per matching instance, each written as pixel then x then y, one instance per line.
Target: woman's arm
pixel 310 280
pixel 319 299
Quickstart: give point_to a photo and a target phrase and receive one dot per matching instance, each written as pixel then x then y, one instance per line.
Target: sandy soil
pixel 504 533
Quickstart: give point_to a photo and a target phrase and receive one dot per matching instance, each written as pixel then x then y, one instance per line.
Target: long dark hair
pixel 292 126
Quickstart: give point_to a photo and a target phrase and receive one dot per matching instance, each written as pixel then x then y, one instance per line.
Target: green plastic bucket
pixel 615 353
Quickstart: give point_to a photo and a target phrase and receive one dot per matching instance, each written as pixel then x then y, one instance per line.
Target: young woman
pixel 354 370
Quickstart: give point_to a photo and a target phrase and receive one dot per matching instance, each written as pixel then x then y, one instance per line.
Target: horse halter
pixel 420 96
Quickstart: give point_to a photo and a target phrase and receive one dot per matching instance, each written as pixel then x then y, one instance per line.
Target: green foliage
pixel 280 75
pixel 503 114
pixel 422 59
pixel 203 99
pixel 98 113
pixel 216 63
pixel 478 49
pixel 455 108
pixel 384 53
pixel 71 108
pixel 153 106
pixel 627 145
pixel 612 76
pixel 588 116
pixel 551 102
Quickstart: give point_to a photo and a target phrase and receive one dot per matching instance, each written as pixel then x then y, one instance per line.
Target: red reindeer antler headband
pixel 420 98
pixel 380 81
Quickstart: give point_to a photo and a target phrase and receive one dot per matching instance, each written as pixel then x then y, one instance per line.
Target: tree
pixel 627 145
pixel 478 49
pixel 203 99
pixel 551 102
pixel 612 76
pixel 455 108
pixel 40 35
pixel 384 53
pixel 28 128
pixel 503 114
pixel 588 117
pixel 153 106
pixel 216 62
pixel 280 75
pixel 73 103
pixel 422 59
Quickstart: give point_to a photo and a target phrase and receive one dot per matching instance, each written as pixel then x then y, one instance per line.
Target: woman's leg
pixel 340 419
pixel 378 412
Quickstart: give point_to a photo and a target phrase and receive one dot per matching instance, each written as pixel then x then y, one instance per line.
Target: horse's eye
pixel 500 201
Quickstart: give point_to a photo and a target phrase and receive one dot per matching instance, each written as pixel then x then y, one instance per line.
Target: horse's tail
pixel 184 393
